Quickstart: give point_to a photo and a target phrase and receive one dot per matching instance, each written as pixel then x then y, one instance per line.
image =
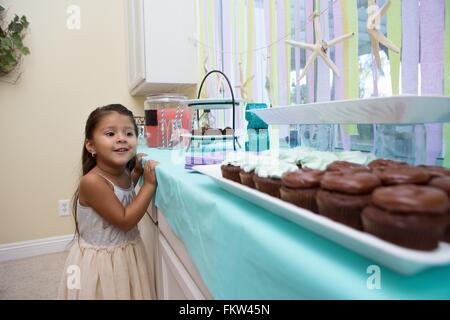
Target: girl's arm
pixel 97 194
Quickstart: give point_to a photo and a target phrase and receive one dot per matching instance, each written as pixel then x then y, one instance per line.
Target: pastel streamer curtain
pixel 251 33
pixel 351 67
pixel 410 56
pixel 447 80
pixel 310 76
pixel 410 44
pixel 394 31
pixel 298 19
pixel 227 43
pixel 323 72
pixel 432 58
pixel 339 61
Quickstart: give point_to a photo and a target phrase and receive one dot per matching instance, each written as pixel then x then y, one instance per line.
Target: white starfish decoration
pixel 243 83
pixel 374 14
pixel 319 48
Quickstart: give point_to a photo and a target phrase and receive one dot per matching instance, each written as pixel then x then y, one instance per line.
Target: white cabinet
pixel 162 55
pixel 178 248
pixel 149 231
pixel 172 271
pixel 176 283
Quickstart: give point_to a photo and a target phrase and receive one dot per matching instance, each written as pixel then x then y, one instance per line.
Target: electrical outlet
pixel 63 206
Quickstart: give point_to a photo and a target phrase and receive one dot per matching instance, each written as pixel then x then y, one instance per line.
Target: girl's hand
pixel 149 172
pixel 138 164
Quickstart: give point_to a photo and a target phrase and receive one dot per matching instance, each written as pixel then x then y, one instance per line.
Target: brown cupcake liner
pixel 342 208
pixel 425 236
pixel 247 179
pixel 304 198
pixel 231 173
pixel 268 185
pixel 447 235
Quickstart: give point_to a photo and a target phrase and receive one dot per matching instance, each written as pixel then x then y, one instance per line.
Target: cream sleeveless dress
pixel 106 262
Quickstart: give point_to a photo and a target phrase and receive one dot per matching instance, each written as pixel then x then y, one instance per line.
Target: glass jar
pixel 161 113
pixel 401 142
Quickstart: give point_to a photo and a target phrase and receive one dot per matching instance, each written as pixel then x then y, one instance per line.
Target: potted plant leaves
pixel 12 48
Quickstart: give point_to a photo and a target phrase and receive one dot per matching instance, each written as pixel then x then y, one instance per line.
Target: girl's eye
pixel 110 134
pixel 130 134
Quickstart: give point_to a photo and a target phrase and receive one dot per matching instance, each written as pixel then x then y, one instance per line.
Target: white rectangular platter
pixel 399 259
pixel 405 109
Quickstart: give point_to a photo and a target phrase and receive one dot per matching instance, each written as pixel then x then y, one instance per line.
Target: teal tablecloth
pixel 243 251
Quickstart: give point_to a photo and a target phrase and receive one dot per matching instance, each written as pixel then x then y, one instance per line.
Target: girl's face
pixel 113 140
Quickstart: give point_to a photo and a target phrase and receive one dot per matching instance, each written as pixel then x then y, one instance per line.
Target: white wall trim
pixel 31 248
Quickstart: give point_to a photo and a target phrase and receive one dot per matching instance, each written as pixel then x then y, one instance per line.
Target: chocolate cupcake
pixel 247 178
pixel 248 167
pixel 344 194
pixel 227 131
pixel 443 183
pixel 231 172
pixel 408 215
pixel 267 177
pixel 383 163
pixel 300 188
pixel 436 171
pixel 231 166
pixel 346 166
pixel 390 176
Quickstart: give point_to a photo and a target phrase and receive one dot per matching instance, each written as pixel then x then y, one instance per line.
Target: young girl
pixel 108 261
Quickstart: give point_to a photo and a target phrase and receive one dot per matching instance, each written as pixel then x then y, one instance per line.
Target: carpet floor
pixel 35 278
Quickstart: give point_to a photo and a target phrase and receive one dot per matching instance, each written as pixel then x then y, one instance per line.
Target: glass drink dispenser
pixel 166 117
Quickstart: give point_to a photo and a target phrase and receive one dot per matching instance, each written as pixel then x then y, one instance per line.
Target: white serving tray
pixel 399 259
pixel 211 104
pixel 404 109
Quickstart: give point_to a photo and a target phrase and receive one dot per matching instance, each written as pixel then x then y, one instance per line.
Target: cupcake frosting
pixel 274 169
pixel 442 183
pixel 358 157
pixel 250 164
pixel 295 155
pixel 302 179
pixel 383 163
pixel 318 160
pixel 436 171
pixel 402 175
pixel 350 182
pixel 234 158
pixel 411 199
pixel 346 165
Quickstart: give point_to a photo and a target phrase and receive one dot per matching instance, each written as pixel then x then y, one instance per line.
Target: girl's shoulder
pixel 93 180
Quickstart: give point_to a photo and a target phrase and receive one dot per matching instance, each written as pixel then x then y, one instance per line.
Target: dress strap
pixel 131 185
pixel 106 179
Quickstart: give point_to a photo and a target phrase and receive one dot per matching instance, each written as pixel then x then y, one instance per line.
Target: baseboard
pixel 26 249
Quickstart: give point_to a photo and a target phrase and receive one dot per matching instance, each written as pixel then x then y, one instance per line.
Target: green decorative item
pixel 255 122
pixel 11 42
pixel 257 130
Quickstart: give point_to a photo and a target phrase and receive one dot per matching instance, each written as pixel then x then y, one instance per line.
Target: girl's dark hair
pixel 87 160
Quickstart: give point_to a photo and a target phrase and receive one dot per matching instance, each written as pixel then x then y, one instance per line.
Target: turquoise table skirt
pixel 243 251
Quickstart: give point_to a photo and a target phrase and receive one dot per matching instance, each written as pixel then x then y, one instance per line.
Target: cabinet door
pixel 149 234
pixel 170 51
pixel 136 45
pixel 177 284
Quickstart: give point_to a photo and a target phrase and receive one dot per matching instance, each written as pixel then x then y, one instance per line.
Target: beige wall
pixel 42 118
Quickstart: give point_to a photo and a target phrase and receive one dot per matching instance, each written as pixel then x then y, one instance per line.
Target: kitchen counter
pixel 243 251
